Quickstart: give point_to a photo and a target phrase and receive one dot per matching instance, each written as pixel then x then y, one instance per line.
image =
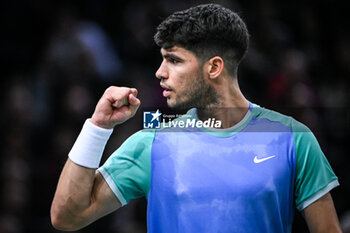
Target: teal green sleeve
pixel 314 176
pixel 128 170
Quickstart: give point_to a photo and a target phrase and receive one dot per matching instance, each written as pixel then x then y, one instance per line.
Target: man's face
pixel 183 80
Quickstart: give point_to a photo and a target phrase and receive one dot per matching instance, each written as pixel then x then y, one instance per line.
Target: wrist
pixel 89 146
pixel 100 124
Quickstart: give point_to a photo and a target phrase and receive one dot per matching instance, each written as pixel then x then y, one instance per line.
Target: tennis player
pixel 248 175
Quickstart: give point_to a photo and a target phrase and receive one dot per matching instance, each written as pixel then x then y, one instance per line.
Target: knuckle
pixel 126 90
pixel 109 89
pixel 119 91
pixel 112 89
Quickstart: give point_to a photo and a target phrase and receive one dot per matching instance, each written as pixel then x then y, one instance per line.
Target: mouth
pixel 167 90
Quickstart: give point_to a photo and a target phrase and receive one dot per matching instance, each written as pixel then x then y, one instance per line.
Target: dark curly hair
pixel 206 30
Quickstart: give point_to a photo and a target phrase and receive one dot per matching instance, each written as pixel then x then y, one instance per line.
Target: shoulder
pixel 137 143
pixel 141 135
pixel 276 117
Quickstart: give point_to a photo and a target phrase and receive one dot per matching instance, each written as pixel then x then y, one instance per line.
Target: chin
pixel 179 106
pixel 171 105
pixel 171 102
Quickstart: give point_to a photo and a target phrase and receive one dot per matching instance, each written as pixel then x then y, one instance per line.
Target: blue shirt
pixel 243 179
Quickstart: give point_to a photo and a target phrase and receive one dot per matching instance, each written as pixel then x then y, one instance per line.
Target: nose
pixel 162 72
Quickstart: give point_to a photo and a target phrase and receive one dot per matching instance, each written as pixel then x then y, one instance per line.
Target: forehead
pixel 178 51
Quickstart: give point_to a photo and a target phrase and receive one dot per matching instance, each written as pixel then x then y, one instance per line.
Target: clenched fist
pixel 116 105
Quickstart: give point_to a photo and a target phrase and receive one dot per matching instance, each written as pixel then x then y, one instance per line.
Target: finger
pixel 134 104
pixel 134 91
pixel 133 100
pixel 118 103
pixel 118 96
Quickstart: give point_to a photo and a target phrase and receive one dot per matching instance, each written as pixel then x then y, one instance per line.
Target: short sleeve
pixel 314 176
pixel 128 170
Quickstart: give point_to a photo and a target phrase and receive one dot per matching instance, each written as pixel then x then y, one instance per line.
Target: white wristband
pixel 89 146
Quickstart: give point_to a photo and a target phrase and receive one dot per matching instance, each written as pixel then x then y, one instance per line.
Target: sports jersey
pixel 247 178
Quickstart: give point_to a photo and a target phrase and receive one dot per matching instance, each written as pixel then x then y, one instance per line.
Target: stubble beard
pixel 199 95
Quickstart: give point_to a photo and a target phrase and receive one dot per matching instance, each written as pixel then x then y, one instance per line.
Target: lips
pixel 167 91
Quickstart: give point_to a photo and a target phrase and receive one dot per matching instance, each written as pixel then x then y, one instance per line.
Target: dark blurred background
pixel 57 58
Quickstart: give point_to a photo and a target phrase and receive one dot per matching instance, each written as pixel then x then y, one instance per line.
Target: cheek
pixel 183 78
pixel 178 79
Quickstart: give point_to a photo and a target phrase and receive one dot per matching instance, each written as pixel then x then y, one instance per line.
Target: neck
pixel 231 105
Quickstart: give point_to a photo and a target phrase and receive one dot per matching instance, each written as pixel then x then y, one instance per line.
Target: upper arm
pixel 321 216
pixel 314 178
pixel 124 176
pixel 82 196
pixel 103 197
pixel 103 201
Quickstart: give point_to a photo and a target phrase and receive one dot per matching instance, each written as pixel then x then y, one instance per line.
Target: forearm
pixel 82 194
pixel 73 196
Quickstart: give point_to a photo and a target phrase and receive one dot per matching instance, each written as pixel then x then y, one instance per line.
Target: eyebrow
pixel 173 56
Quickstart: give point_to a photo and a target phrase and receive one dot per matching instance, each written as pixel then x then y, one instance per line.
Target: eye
pixel 172 60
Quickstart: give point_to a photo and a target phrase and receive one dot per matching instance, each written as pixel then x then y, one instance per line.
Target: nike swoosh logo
pixel 256 160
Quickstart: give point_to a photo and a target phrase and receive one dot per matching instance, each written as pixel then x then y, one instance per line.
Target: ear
pixel 215 67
